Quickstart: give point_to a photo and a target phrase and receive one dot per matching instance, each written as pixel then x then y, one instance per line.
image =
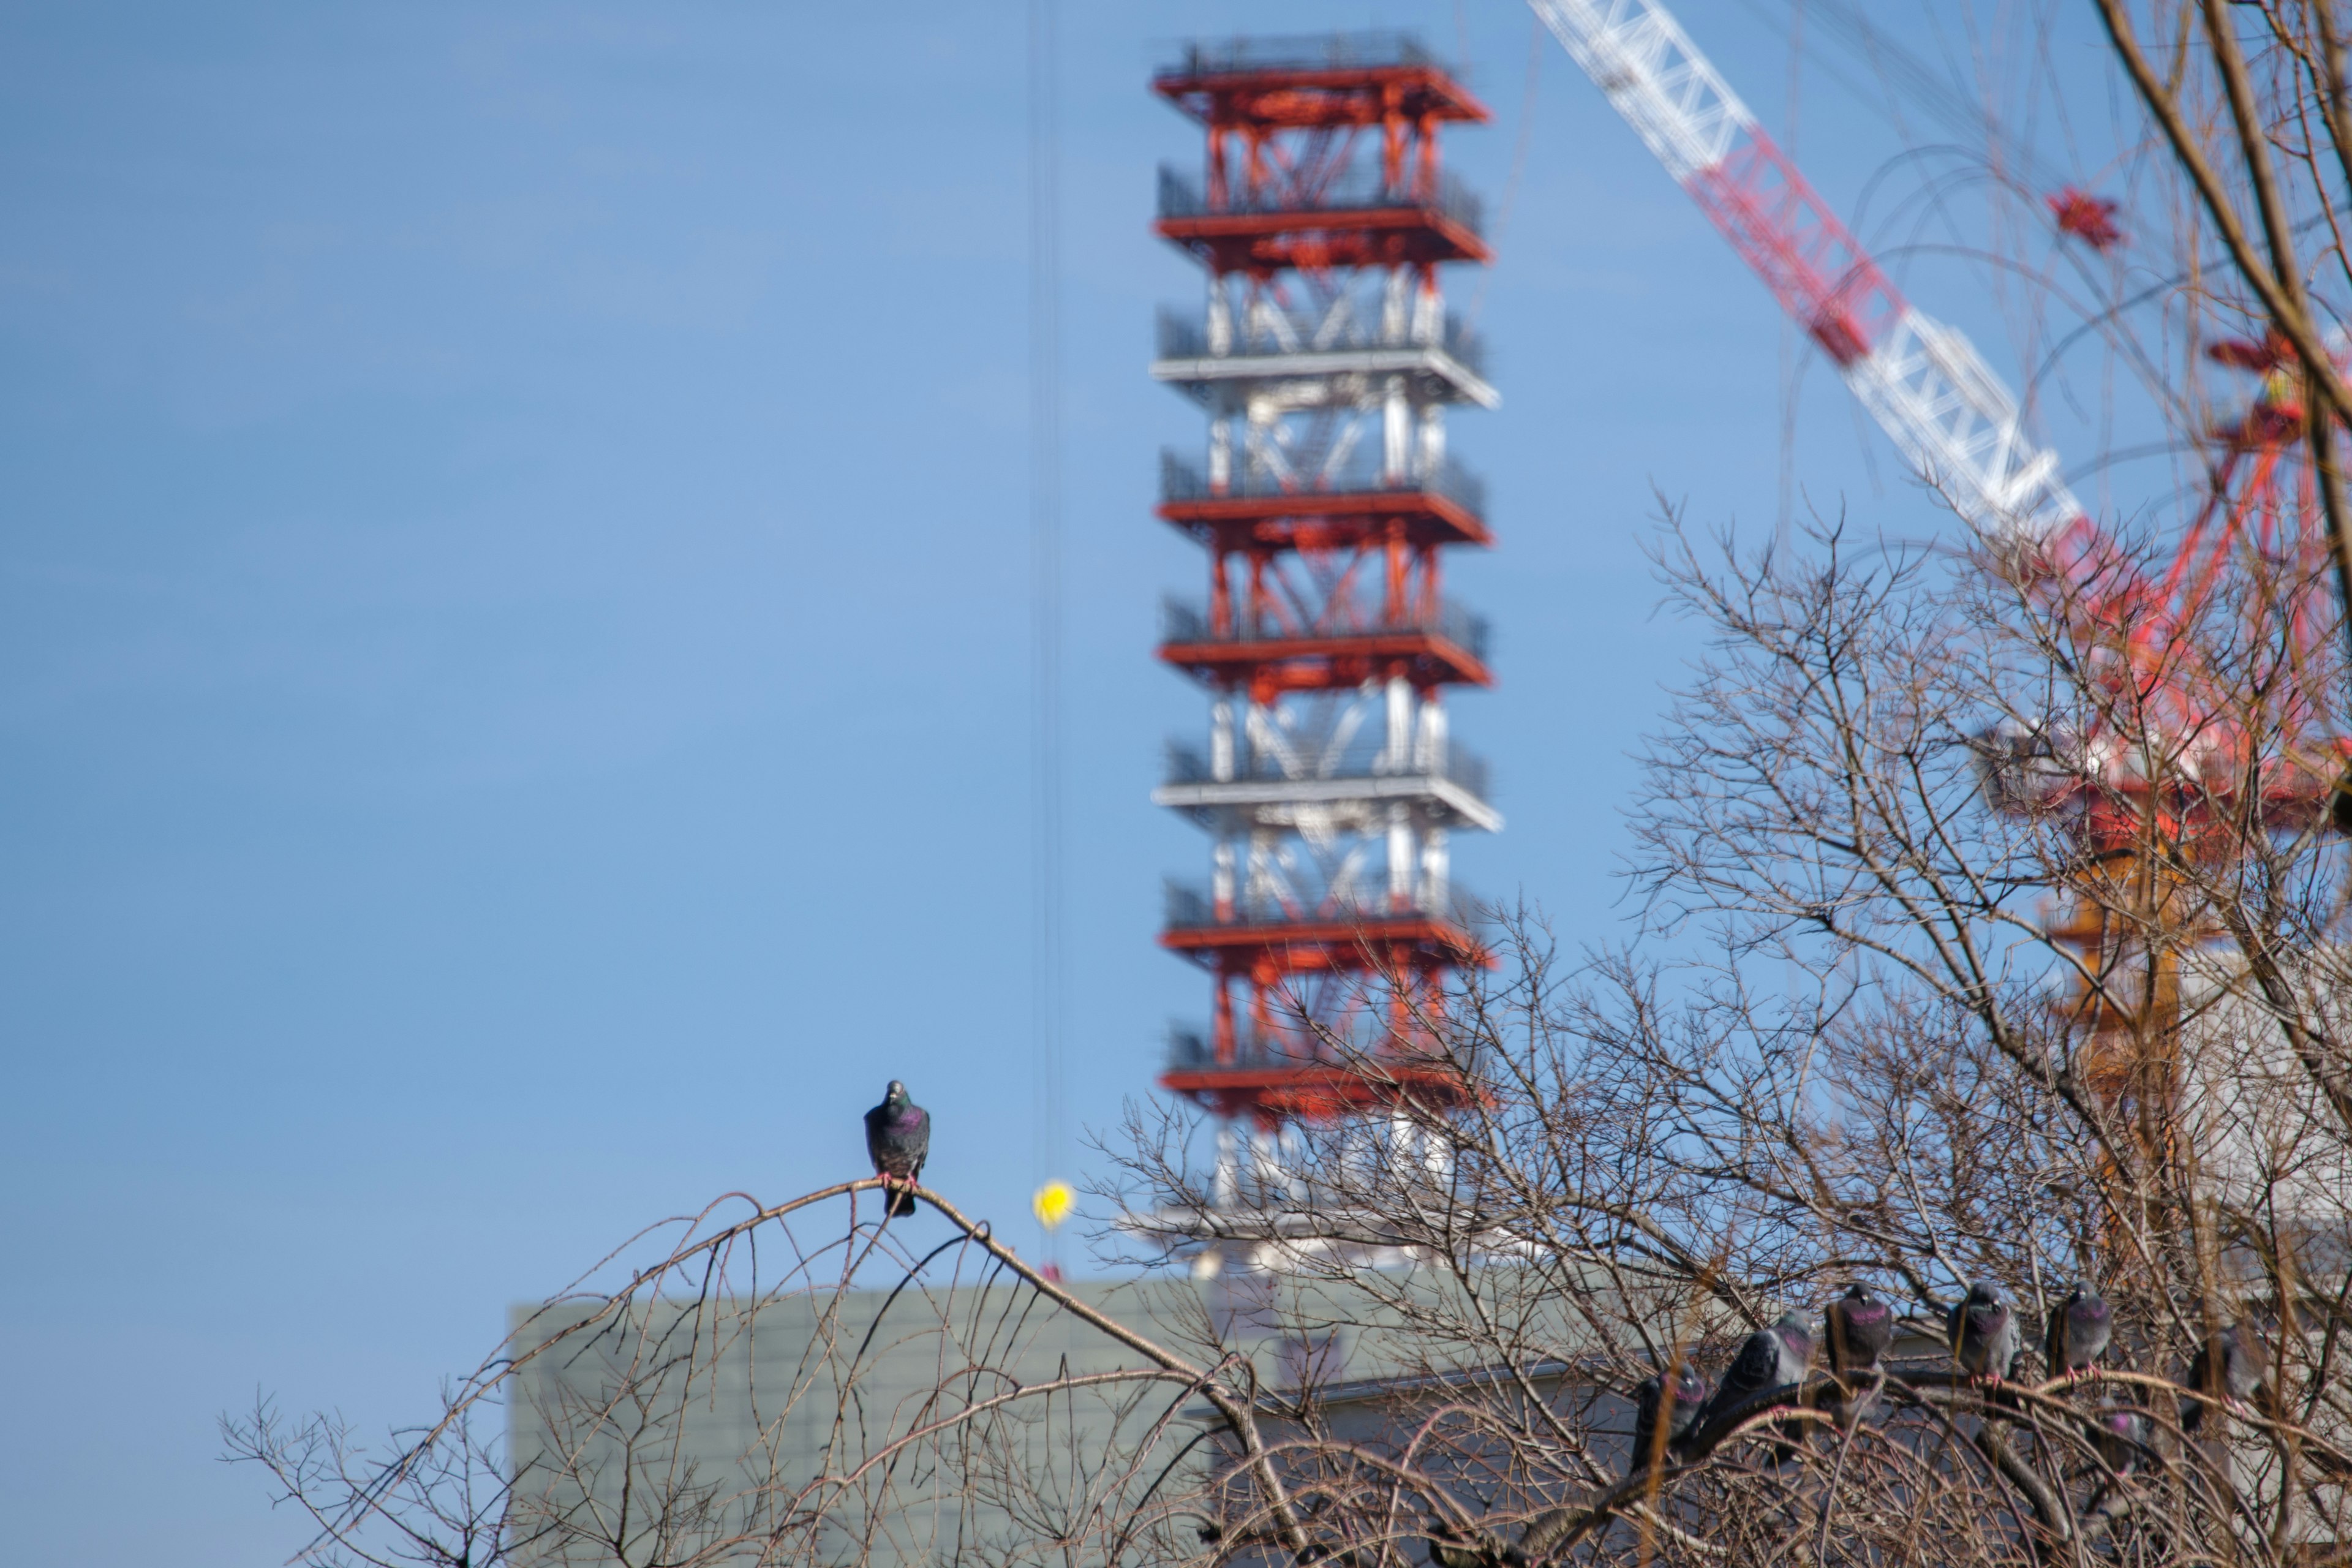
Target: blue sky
pixel 513 645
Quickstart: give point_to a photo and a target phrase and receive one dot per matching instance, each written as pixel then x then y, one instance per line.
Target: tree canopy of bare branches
pixel 1853 1044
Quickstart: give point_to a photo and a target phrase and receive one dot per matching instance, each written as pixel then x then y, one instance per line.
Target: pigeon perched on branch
pixel 898 1140
pixel 2080 1326
pixel 1543 1531
pixel 1983 1332
pixel 2242 1365
pixel 1690 1396
pixel 2121 1435
pixel 1771 1358
pixel 1857 1327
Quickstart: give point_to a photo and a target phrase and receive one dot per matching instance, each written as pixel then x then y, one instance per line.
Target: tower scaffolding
pixel 1325 499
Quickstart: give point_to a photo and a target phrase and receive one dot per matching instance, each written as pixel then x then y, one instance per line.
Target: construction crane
pixel 1926 384
pixel 1958 425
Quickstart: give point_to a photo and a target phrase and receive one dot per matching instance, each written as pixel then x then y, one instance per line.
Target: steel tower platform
pixel 1324 362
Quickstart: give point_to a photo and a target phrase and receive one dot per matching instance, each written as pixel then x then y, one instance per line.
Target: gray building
pixel 987 1424
pixel 895 1427
pixel 862 1427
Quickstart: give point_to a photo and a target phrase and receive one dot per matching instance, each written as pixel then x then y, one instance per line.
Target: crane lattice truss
pixel 1325 499
pixel 1960 427
pixel 1925 383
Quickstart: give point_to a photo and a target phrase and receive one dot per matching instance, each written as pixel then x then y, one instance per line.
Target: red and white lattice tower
pixel 1325 499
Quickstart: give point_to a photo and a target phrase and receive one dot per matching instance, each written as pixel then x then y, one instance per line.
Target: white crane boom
pixel 1952 418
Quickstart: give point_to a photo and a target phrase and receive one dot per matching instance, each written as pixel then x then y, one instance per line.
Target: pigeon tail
pixel 1445 1554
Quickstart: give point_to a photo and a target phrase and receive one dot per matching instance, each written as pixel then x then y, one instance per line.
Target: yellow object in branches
pixel 1053 1203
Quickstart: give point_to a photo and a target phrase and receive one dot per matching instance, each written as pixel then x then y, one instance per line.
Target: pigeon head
pixel 1860 1306
pixel 2086 1305
pixel 894 1097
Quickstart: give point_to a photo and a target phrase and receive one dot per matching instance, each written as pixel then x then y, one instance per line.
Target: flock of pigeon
pixel 1982 1331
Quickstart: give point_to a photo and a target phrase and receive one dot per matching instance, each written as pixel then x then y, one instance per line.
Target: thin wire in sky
pixel 1045 584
